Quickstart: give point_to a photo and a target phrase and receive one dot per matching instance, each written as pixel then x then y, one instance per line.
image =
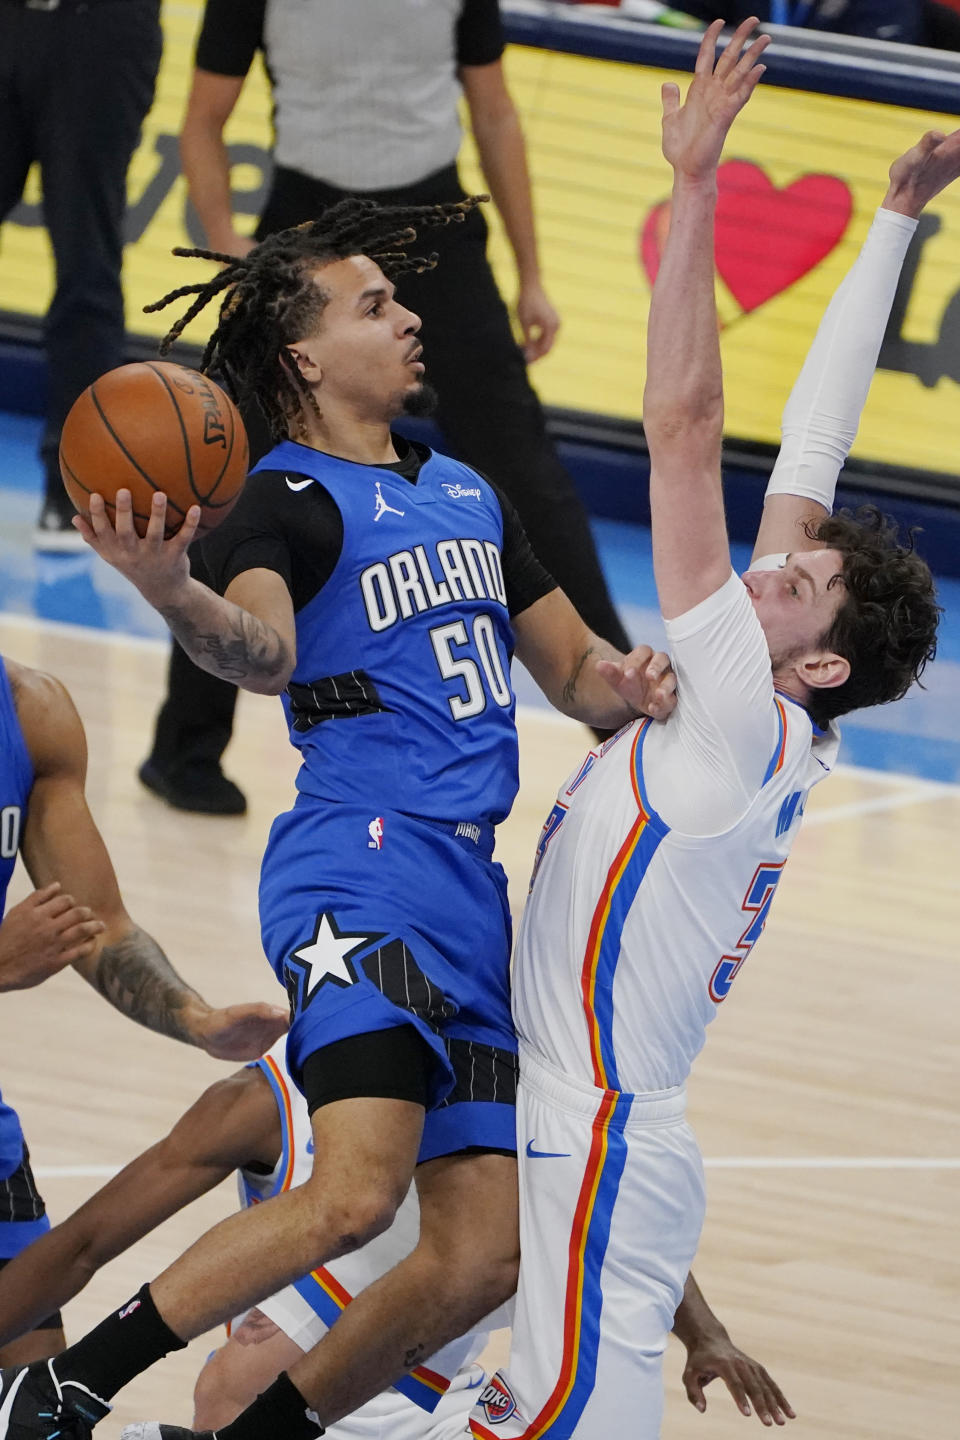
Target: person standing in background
pixel 76 81
pixel 366 102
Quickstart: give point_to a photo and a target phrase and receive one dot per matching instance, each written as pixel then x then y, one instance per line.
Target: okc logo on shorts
pixel 497 1401
pixel 375 831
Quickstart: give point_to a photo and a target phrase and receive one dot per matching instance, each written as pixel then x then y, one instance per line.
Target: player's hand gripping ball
pixel 154 426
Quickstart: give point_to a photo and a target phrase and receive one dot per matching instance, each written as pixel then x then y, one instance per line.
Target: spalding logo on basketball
pixel 498 1404
pixel 214 424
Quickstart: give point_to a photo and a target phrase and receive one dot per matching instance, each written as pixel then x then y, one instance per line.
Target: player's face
pixel 364 357
pixel 796 603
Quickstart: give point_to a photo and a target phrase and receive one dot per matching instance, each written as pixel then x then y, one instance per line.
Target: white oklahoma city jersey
pixel 305 1310
pixel 654 874
pixel 658 864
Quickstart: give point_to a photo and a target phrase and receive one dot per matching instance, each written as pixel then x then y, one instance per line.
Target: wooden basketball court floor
pixel 825 1102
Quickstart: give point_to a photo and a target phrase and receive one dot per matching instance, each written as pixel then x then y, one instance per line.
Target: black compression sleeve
pixel 230 36
pixel 390 1064
pixel 525 578
pixel 296 532
pixel 480 38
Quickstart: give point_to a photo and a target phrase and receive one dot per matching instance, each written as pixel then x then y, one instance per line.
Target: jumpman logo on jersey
pixel 382 507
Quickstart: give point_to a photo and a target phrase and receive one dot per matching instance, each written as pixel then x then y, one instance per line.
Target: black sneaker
pixel 35 1405
pixel 54 533
pixel 204 790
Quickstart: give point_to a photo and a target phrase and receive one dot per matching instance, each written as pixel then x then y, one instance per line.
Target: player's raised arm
pixel 821 417
pixel 254 647
pixel 60 842
pixel 683 399
pixel 233 1123
pixel 584 676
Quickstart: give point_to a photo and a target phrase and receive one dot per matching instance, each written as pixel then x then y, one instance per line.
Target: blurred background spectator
pixel 76 81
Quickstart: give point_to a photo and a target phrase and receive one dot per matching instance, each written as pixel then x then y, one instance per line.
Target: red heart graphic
pixel 766 239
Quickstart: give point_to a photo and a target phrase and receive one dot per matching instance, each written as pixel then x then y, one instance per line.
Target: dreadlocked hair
pixel 887 624
pixel 273 299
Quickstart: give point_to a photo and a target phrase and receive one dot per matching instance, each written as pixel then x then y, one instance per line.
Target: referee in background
pixel 366 96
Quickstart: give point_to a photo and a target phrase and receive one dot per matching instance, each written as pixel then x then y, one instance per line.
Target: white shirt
pixel 366 91
pixel 659 862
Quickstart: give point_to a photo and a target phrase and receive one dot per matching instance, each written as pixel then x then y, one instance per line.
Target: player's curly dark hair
pixel 887 624
pixel 272 300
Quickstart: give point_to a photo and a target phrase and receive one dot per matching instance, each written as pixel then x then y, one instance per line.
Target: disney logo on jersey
pixel 497 1401
pixel 327 959
pixel 462 492
pixel 411 582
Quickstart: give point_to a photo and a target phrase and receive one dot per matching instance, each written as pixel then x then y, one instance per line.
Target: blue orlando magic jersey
pixel 16 779
pixel 401 697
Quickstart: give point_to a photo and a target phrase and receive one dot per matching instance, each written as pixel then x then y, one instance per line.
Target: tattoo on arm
pixel 413 1356
pixel 138 979
pixel 246 649
pixel 570 688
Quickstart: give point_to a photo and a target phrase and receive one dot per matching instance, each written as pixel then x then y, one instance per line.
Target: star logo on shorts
pixel 325 960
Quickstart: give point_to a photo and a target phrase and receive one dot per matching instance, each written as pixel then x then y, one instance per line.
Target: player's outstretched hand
pixel 927 168
pixel 43 934
pixel 694 132
pixel 644 680
pixel 157 567
pixel 240 1032
pixel 717 1358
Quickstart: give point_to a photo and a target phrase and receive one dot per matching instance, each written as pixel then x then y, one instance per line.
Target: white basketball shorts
pixel 611 1206
pixel 392 1417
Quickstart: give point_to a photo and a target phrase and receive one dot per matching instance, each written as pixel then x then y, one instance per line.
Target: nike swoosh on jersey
pixel 546 1154
pixel 298 484
pixel 8 1400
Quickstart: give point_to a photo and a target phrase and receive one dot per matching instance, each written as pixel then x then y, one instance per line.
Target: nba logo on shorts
pixel 375 831
pixel 497 1402
pixel 128 1309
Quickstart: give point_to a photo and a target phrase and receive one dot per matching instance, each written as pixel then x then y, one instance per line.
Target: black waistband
pixel 441 185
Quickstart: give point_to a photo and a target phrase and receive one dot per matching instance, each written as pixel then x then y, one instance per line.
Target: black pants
pixel 75 85
pixel 488 411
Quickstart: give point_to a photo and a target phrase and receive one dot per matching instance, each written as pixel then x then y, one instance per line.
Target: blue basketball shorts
pixel 373 921
pixel 23 1215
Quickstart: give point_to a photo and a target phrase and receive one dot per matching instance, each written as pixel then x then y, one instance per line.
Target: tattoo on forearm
pixel 570 688
pixel 137 978
pixel 249 649
pixel 413 1356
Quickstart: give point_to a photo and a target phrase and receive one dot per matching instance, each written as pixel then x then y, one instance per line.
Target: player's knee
pixel 495 1278
pixel 347 1220
pixel 487 1265
pixel 215 1402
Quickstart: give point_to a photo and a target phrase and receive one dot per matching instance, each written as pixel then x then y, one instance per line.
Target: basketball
pixel 155 426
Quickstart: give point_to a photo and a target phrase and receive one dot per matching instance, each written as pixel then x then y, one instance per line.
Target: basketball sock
pixel 281 1410
pixel 130 1340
